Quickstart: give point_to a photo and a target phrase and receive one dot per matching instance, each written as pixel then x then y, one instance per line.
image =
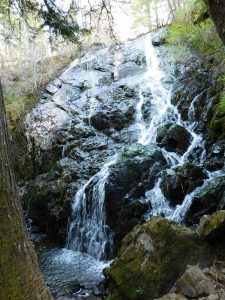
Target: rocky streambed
pixel 121 137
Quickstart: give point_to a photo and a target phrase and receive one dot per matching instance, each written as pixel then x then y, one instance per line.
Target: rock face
pixel 134 173
pixel 92 111
pixel 151 258
pixel 174 138
pixel 194 284
pixel 212 227
pixel 201 284
pixel 208 200
pixel 178 182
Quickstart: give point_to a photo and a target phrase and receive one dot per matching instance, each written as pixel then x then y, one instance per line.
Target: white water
pixel 88 231
pixel 161 108
pixel 164 112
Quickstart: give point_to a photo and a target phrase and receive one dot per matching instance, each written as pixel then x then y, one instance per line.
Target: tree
pixel 20 278
pixel 217 13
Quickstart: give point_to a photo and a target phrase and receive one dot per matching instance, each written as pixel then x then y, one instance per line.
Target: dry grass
pixel 25 70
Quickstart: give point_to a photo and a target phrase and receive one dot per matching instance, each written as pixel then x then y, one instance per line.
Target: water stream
pixel 89 238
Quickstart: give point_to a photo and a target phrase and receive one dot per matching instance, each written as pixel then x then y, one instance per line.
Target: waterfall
pixel 162 113
pixel 88 231
pixel 162 110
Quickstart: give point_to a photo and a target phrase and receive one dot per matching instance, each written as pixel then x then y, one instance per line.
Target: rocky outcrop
pixel 212 228
pixel 129 178
pixel 89 113
pixel 174 138
pixel 207 200
pixel 152 257
pixel 200 284
pixel 215 156
pixel 194 284
pixel 178 182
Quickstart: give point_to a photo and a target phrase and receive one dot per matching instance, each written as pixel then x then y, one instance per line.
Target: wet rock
pixel 208 200
pixel 174 138
pixel 130 68
pixel 178 182
pixel 212 228
pixel 215 157
pixel 152 257
pixel 158 37
pixel 194 284
pixel 104 120
pixel 129 178
pixel 185 89
pixel 47 206
pixel 217 122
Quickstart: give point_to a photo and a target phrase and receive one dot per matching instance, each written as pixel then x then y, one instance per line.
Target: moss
pixel 211 225
pixel 154 271
pixel 217 123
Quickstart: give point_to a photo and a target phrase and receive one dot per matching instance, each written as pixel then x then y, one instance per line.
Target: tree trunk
pixel 217 13
pixel 20 278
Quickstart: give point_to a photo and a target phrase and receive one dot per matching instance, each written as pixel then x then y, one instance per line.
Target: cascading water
pixel 88 231
pixel 164 112
pixel 160 98
pixel 90 240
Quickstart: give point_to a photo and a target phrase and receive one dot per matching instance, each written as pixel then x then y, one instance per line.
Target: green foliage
pixel 141 9
pixel 113 296
pixel 25 70
pixel 190 30
pixel 46 15
pixel 217 122
pixel 140 291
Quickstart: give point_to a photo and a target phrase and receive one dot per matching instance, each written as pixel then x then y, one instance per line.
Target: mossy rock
pixel 212 228
pixel 194 284
pixel 153 256
pixel 217 123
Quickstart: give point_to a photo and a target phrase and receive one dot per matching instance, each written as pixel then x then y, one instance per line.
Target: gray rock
pixel 174 138
pixel 178 182
pixel 194 284
pixel 208 200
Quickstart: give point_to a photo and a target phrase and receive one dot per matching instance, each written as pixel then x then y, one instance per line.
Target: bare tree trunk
pixel 20 278
pixel 171 8
pixel 156 13
pixel 217 13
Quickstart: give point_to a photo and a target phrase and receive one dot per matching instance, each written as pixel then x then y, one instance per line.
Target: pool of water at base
pixel 71 274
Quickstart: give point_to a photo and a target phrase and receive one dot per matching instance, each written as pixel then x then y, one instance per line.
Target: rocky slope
pixel 101 107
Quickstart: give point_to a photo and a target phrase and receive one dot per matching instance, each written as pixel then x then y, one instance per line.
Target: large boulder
pixel 178 182
pixel 208 200
pixel 212 228
pixel 152 257
pixel 174 138
pixel 133 174
pixel 201 284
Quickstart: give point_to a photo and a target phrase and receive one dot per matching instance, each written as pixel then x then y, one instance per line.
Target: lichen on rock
pixel 153 256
